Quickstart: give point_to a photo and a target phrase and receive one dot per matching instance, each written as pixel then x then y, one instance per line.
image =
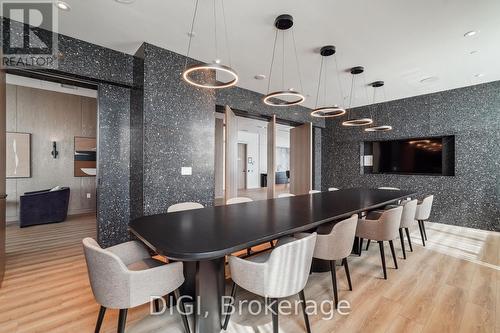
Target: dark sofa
pixel 40 207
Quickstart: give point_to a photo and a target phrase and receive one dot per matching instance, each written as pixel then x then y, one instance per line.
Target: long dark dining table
pixel 202 238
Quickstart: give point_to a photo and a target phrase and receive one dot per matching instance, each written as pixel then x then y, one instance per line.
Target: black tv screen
pixel 424 156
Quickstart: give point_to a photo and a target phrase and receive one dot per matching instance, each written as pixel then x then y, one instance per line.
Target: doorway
pixel 242 166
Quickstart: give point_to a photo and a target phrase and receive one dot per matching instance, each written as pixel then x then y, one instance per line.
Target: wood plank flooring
pixel 452 285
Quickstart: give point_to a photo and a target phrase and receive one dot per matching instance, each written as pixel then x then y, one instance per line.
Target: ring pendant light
pixel 283 23
pixel 326 111
pixel 196 74
pixel 379 128
pixel 358 121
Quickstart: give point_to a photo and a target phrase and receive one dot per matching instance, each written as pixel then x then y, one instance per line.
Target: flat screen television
pixel 419 156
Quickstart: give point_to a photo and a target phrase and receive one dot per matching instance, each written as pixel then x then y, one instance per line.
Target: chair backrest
pixel 314 191
pixel 285 195
pixel 238 200
pixel 409 211
pixel 331 189
pixel 184 206
pixel 424 209
pixel 389 222
pixel 289 266
pixel 107 275
pixel 389 188
pixel 338 243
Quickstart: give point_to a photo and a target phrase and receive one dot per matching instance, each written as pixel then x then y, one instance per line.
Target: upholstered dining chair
pixel 407 221
pixel 286 195
pixel 125 276
pixel 384 228
pixel 336 245
pixel 276 274
pixel 314 191
pixel 238 200
pixel 331 189
pixel 184 206
pixel 423 213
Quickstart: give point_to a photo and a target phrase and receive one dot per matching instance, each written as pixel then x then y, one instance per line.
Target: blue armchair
pixel 40 207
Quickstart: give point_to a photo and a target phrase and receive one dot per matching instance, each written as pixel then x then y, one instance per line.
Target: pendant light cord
pixel 339 81
pixel 283 62
pixel 191 33
pixel 272 62
pixel 319 81
pixel 350 96
pixel 226 35
pixel 297 61
pixel 215 31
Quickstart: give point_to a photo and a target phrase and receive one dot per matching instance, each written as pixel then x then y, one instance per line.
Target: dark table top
pixel 213 232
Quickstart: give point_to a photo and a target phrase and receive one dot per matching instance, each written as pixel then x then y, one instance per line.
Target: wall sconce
pixel 54 151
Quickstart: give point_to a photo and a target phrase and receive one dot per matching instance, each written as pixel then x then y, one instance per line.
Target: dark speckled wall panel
pixel 472 114
pixel 179 130
pixel 113 164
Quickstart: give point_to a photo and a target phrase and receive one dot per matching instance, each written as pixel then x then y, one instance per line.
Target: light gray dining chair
pixel 184 206
pixel 331 189
pixel 336 245
pixel 384 228
pixel 407 221
pixel 276 274
pixel 125 276
pixel 422 215
pixel 286 195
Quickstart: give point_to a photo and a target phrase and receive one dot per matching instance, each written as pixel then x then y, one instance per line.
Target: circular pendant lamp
pixel 199 74
pixel 357 121
pixel 283 97
pixel 326 111
pixel 379 128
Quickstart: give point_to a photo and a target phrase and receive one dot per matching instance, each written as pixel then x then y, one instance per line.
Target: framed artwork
pixel 18 155
pixel 85 157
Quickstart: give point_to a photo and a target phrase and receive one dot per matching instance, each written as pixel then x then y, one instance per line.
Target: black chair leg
pixel 423 228
pixel 249 251
pixel 334 282
pixel 233 295
pixel 391 243
pixel 100 317
pixel 272 244
pixel 402 238
pixel 360 246
pixel 274 313
pixel 177 296
pixel 346 268
pixel 382 255
pixel 368 244
pixel 409 239
pixel 122 319
pixel 306 317
pixel 421 232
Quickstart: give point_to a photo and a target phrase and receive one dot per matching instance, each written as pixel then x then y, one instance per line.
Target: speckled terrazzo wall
pixel 179 131
pixel 472 114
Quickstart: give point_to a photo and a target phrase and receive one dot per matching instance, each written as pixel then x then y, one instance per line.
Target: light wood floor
pixel 452 285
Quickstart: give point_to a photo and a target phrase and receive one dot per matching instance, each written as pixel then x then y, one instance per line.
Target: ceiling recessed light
pixel 479 75
pixel 470 33
pixel 259 77
pixel 125 1
pixel 63 6
pixel 429 79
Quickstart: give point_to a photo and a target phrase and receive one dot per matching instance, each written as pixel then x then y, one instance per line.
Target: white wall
pixel 252 142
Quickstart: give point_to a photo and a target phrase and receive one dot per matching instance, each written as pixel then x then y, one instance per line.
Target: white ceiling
pixel 398 41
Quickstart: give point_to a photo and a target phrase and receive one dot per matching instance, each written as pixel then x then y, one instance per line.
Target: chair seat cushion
pixel 145 264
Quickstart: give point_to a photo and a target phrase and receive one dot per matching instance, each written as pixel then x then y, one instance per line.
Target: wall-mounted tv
pixel 416 156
